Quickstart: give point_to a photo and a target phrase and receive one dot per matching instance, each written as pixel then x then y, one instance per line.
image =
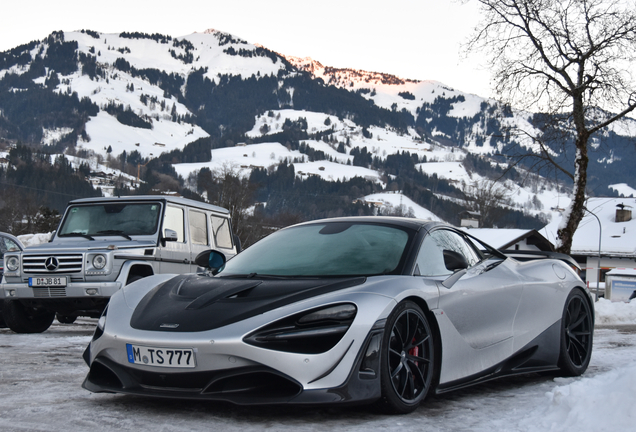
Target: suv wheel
pixel 2 323
pixel 65 319
pixel 25 319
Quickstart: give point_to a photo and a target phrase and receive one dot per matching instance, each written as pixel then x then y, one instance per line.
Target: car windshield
pixel 324 249
pixel 117 219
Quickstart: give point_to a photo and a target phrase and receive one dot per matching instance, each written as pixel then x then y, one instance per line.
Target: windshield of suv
pixel 324 249
pixel 117 219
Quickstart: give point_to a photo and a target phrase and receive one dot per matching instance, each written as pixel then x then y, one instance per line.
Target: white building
pixel 614 232
pixel 511 238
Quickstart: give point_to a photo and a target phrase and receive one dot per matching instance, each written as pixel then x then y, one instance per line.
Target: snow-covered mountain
pixel 212 100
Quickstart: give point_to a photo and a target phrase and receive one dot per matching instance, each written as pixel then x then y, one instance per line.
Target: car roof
pixel 162 198
pixel 404 222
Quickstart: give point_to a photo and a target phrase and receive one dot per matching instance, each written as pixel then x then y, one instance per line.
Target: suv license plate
pixel 47 281
pixel 163 357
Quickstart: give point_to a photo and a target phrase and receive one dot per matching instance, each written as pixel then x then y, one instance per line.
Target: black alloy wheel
pixel 577 331
pixel 407 359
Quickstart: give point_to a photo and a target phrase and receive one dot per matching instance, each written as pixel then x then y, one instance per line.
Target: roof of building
pixel 617 238
pixel 505 238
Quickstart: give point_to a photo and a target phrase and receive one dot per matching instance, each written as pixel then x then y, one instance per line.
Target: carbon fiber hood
pixel 191 303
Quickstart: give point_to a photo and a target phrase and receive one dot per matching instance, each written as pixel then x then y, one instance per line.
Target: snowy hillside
pixel 242 107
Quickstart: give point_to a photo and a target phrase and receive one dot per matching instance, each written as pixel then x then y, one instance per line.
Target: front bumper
pixel 88 290
pixel 245 385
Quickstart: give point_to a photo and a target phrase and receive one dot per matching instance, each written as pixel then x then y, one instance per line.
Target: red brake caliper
pixel 415 351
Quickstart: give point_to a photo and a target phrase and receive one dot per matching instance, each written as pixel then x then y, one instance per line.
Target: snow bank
pixel 34 239
pixel 604 402
pixel 608 312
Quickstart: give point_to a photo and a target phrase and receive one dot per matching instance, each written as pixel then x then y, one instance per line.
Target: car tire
pixel 577 332
pixel 407 361
pixel 65 319
pixel 2 323
pixel 24 319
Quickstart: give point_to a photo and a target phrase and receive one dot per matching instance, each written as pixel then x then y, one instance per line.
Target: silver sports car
pixel 347 310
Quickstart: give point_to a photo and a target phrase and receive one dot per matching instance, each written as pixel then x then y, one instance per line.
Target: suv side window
pixel 174 220
pixel 7 245
pixel 430 259
pixel 222 235
pixel 198 227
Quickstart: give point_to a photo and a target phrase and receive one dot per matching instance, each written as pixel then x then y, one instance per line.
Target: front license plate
pixel 163 357
pixel 47 281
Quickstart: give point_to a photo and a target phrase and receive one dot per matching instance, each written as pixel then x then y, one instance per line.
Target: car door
pixel 175 255
pixel 482 304
pixel 199 229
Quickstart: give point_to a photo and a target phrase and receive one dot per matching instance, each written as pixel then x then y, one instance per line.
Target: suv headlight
pixel 99 261
pixel 12 263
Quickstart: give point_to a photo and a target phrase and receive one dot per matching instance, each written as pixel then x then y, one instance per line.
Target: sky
pixel 416 39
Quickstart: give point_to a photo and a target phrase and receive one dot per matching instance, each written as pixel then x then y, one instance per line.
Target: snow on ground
pixel 41 376
pixel 392 201
pixel 332 171
pixel 165 136
pixel 615 313
pixel 452 171
pixel 243 158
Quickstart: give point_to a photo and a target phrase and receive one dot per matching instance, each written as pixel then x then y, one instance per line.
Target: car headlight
pixel 310 332
pixel 12 263
pixel 101 323
pixel 99 261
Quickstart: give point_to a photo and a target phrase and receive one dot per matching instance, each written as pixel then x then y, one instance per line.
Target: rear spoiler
pixel 528 255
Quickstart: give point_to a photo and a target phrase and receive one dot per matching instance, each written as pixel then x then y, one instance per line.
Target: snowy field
pixel 41 374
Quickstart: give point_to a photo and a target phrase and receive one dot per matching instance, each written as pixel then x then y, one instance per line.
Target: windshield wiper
pixel 115 232
pixel 76 234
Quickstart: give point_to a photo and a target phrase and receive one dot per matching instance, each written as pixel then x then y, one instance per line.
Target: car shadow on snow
pixel 270 415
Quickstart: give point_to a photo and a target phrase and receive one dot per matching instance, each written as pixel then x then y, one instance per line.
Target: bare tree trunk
pixel 565 234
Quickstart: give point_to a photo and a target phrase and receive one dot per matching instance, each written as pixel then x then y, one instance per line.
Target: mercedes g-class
pixel 101 245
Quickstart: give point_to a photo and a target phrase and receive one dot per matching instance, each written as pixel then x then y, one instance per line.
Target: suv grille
pixel 66 263
pixel 49 292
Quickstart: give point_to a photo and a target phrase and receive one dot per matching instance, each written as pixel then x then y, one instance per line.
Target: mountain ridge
pixel 180 100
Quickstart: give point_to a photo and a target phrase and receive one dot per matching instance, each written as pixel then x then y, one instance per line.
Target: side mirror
pixel 454 261
pixel 211 259
pixel 170 235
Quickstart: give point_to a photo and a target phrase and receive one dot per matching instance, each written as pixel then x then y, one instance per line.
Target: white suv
pixel 101 245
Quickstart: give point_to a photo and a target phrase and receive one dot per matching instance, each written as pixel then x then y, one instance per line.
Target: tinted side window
pixel 222 234
pixel 430 260
pixel 198 227
pixel 174 221
pixel 458 244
